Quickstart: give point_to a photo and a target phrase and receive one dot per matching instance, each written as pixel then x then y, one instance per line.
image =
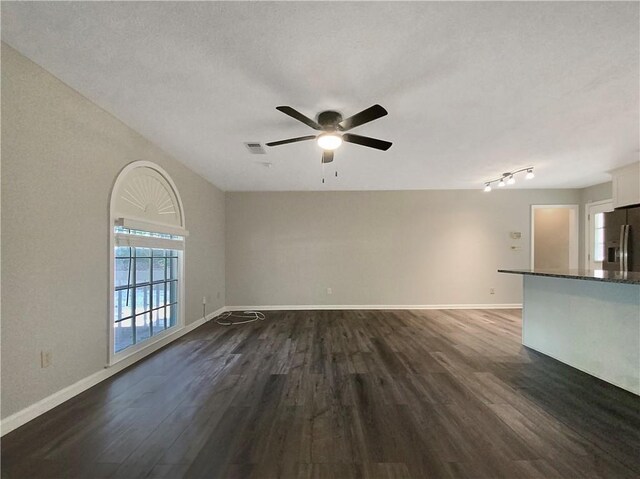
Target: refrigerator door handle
pixel 625 251
pixel 620 258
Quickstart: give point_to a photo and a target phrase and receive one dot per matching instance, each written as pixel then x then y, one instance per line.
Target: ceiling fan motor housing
pixel 329 119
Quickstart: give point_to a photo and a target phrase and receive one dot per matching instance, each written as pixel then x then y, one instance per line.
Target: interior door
pixel 596 233
pixel 554 237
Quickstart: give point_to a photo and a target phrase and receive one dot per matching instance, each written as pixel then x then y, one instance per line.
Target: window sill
pixel 144 346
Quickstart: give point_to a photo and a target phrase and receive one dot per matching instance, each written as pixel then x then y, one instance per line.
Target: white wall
pixel 379 248
pixel 60 156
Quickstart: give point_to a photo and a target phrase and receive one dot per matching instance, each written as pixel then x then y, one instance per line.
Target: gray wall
pixel 60 157
pixel 379 248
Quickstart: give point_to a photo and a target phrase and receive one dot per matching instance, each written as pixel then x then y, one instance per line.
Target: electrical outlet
pixel 329 291
pixel 492 291
pixel 45 359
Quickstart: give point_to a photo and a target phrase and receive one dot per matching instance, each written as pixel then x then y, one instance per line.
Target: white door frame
pixel 573 232
pixel 592 208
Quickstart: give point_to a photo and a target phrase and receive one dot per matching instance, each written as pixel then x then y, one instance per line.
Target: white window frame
pixel 591 209
pixel 116 220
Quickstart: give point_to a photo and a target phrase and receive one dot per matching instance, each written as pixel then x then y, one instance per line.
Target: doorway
pixel 554 237
pixel 594 233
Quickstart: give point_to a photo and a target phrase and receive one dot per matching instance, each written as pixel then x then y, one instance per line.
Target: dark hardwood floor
pixel 340 394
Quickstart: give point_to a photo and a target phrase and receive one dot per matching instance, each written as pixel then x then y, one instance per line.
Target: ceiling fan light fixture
pixel 329 141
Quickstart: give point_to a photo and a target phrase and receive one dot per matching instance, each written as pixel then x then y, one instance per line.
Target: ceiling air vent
pixel 255 148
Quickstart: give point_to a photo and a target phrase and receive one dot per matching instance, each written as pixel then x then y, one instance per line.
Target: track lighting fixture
pixel 508 178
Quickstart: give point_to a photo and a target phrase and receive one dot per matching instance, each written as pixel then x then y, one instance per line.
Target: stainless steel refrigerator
pixel 622 239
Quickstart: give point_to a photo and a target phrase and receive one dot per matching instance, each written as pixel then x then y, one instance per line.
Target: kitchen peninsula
pixel 588 319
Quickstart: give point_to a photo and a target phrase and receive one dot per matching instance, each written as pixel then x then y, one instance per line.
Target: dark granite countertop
pixel 627 277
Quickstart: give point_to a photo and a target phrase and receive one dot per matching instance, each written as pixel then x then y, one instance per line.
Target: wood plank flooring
pixel 340 394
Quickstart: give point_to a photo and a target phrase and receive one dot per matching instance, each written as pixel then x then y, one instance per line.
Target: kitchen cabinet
pixel 626 185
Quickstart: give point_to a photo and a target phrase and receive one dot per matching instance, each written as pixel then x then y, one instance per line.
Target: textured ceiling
pixel 472 89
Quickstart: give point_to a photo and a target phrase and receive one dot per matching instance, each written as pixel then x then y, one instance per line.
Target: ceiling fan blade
pixel 287 110
pixel 365 116
pixel 291 140
pixel 327 156
pixel 366 141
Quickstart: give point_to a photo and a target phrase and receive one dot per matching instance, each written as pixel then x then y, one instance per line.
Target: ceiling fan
pixel 334 130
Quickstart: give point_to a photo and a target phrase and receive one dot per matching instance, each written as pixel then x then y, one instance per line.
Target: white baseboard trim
pixel 303 307
pixel 31 412
pixel 300 307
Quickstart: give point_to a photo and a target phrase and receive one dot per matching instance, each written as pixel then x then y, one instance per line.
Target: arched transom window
pixel 147 256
